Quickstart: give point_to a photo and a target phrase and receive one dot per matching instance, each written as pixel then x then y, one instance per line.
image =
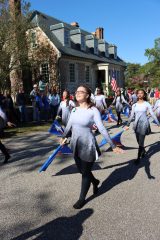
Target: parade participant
pixel 45 106
pixel 83 143
pixel 141 124
pixel 33 95
pixel 65 107
pixel 134 97
pixel 54 101
pixel 21 102
pixel 118 101
pixel 156 108
pixel 3 122
pixel 152 97
pixel 100 101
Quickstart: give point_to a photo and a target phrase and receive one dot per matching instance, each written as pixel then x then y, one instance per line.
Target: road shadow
pixel 127 172
pixel 66 228
pixel 72 169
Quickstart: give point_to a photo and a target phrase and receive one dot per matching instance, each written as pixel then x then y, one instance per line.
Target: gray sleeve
pixel 72 104
pixel 132 115
pixel 101 128
pixel 3 115
pixel 114 101
pixel 152 114
pixel 104 102
pixel 58 98
pixel 124 101
pixel 155 106
pixel 59 110
pixel 68 128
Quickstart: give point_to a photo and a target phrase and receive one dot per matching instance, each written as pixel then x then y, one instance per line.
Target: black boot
pixel 6 159
pixel 79 204
pixel 143 152
pixel 137 161
pixel 95 186
pixel 86 181
pixel 5 152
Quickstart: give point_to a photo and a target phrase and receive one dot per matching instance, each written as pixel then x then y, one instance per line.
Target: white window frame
pixel 47 73
pixel 34 43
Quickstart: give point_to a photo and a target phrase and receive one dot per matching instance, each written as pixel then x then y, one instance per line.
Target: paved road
pixel 39 206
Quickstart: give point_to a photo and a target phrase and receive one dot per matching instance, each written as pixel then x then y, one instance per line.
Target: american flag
pixel 114 83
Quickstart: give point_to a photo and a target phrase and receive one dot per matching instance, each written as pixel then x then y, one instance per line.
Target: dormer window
pixel 62 33
pixel 66 37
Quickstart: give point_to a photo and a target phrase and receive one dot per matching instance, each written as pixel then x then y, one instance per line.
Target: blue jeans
pixel 22 110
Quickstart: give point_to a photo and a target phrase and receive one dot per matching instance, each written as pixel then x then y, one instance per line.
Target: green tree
pixel 13 49
pixel 131 73
pixel 18 58
pixel 153 66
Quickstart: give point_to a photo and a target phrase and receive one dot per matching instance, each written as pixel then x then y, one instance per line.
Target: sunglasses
pixel 80 92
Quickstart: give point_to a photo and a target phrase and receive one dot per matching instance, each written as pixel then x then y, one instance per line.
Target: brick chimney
pixel 99 33
pixel 74 24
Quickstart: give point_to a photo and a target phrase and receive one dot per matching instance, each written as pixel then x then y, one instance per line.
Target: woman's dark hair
pixel 119 95
pixel 100 90
pixel 144 92
pixel 68 96
pixel 89 92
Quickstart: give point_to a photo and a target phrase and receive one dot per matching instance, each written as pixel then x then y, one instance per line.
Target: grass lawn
pixel 27 128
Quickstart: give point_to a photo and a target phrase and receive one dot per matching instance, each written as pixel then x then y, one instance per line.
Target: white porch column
pixel 106 79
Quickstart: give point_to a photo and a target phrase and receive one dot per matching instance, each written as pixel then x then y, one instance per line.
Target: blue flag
pixel 112 115
pixel 50 159
pixel 126 111
pixel 56 128
pixel 116 139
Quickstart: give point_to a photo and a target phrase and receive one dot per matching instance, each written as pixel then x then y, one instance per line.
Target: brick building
pixel 81 56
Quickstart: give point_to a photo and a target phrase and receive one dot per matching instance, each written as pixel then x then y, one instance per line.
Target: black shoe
pixel 6 159
pixel 137 161
pixel 79 204
pixel 95 186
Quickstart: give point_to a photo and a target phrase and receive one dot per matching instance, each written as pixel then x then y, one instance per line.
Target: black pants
pixel 87 177
pixel 54 110
pixel 140 139
pixel 119 117
pixel 3 149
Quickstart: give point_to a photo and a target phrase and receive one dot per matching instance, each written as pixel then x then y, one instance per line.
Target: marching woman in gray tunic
pixel 83 143
pixel 65 107
pixel 100 101
pixel 3 122
pixel 118 101
pixel 141 124
pixel 156 108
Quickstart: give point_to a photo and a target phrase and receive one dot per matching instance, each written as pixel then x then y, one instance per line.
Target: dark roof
pixel 44 22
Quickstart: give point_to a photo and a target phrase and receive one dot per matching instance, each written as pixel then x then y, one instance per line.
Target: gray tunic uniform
pixel 3 119
pixel 118 101
pixel 157 108
pixel 141 124
pixel 100 102
pixel 66 110
pixel 83 142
